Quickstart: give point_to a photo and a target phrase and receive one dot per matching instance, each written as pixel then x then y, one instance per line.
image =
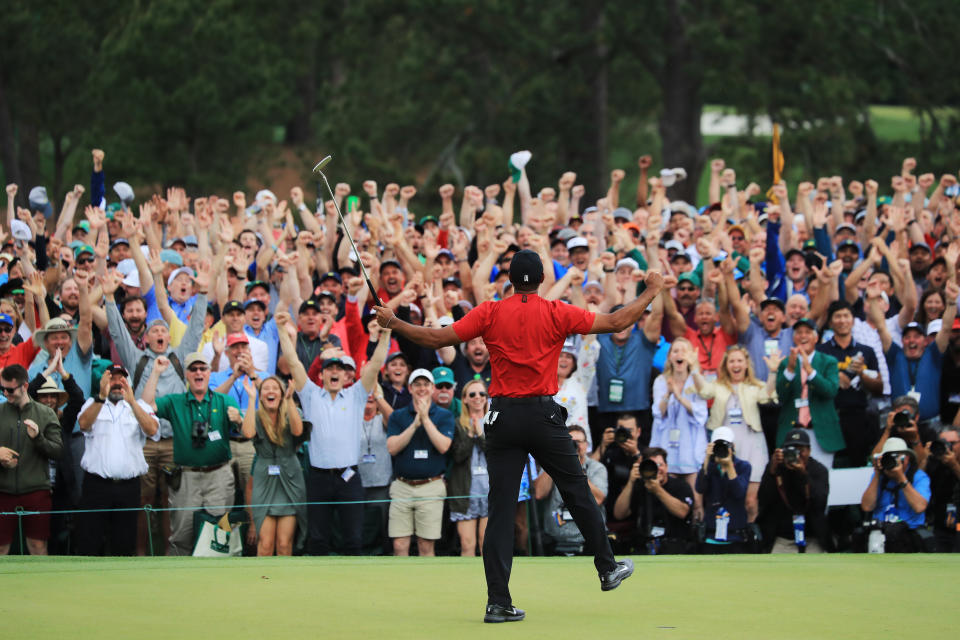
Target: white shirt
pixel 337 424
pixel 572 394
pixel 259 353
pixel 113 447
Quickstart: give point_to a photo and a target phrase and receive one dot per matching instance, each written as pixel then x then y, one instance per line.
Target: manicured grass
pixel 745 597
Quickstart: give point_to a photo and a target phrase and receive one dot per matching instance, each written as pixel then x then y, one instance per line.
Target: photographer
pixel 661 506
pixel 897 496
pixel 793 498
pixel 617 451
pixel 943 467
pixel 722 481
pixel 903 423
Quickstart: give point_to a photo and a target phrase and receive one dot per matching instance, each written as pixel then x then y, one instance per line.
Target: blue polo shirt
pixel 631 363
pixel 755 340
pixel 922 376
pixel 892 506
pixel 270 335
pixel 237 392
pixel 420 459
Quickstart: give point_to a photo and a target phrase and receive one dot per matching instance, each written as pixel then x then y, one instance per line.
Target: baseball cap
pixel 844 226
pixel 83 225
pixel 237 338
pixel 913 326
pixel 396 354
pixel 349 362
pixel 309 303
pixel 331 275
pixel 592 283
pixel 118 242
pixel 5 319
pixel 627 262
pixel 797 437
pixel 452 280
pixel 190 241
pixel 933 327
pixel 722 433
pixel 443 375
pixel 848 244
pixel 171 256
pixel 257 283
pixel 673 244
pixel 446 321
pixel 421 373
pixel 577 243
pixel 126 267
pixel 691 277
pixel 253 301
pixel 39 201
pixel 233 305
pixel 807 322
pixel 681 255
pixel 117 369
pixel 177 272
pixel 194 358
pixel 390 263
pixel 622 213
pixel 84 248
pixel 329 362
pixel 774 301
pixel 326 294
pixel 132 279
pixel 526 268
pixel 920 245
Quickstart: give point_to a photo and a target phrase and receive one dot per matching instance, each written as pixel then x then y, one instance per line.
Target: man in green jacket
pixel 807 382
pixel 29 439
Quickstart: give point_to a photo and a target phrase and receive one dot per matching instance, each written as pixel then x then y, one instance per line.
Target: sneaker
pixel 499 613
pixel 612 579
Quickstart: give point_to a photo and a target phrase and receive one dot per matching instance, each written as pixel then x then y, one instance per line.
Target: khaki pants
pixel 156 454
pixel 241 463
pixel 416 510
pixel 210 490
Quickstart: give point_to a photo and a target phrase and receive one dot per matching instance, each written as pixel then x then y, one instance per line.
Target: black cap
pixel 396 354
pixel 257 283
pixel 455 281
pixel 310 303
pixel 797 437
pixel 119 241
pixel 331 275
pixel 526 269
pixel 807 322
pixel 774 301
pixel 118 369
pixel 325 294
pixel 791 253
pixel 923 246
pixel 233 305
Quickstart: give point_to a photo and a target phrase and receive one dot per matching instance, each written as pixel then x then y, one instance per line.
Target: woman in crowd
pixel 575 372
pixel 277 431
pixel 736 396
pixel 468 476
pixel 932 304
pixel 376 471
pixel 679 414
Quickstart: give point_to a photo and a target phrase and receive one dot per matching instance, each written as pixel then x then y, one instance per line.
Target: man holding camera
pixel 903 422
pixel 723 484
pixel 618 450
pixel 897 496
pixel 943 467
pixel 201 446
pixel 660 505
pixel 793 498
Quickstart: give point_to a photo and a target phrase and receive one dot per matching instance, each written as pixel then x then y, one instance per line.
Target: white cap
pixel 627 262
pixel 132 279
pixel 673 244
pixel 126 267
pixel 799 220
pixel 722 433
pixel 348 362
pixel 933 327
pixel 263 195
pixel 176 272
pixel 592 283
pixel 573 243
pixel 20 230
pixel 421 373
pixel 444 321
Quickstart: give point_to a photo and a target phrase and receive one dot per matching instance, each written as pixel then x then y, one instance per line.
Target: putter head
pixel 320 165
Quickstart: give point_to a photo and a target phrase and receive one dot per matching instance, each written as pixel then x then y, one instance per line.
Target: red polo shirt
pixel 524 335
pixel 22 354
pixel 710 349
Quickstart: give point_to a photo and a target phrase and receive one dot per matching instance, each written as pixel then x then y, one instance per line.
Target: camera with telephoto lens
pixel 721 450
pixel 621 435
pixel 901 420
pixel 791 454
pixel 939 448
pixel 888 460
pixel 648 469
pixel 198 434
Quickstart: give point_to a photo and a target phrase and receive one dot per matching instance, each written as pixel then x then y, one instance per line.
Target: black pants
pixel 537 426
pixel 328 486
pixel 119 528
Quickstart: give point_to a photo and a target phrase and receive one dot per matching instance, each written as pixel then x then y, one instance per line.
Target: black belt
pixel 212 467
pixel 507 400
pixel 113 480
pixel 239 439
pixel 337 471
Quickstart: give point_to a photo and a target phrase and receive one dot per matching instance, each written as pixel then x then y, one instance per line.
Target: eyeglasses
pixel 8 390
pixel 474 394
pixel 196 369
pixel 579 441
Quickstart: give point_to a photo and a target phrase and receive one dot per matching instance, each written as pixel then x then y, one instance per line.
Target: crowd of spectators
pixel 218 355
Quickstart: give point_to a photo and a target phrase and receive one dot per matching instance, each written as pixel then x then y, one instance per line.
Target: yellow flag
pixel 777 164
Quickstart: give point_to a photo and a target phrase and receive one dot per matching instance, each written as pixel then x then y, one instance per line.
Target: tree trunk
pixel 597 181
pixel 682 108
pixel 8 145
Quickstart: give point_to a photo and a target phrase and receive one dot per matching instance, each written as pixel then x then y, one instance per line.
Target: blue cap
pixel 4 318
pixel 190 241
pixel 171 256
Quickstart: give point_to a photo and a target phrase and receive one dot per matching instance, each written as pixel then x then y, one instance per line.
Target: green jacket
pixel 820 392
pixel 32 472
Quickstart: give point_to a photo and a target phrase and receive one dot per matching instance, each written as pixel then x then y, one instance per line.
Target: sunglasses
pixel 444 385
pixel 5 328
pixel 196 369
pixel 474 394
pixel 8 390
pixel 85 261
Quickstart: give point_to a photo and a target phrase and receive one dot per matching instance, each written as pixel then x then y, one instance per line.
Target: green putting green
pixel 742 597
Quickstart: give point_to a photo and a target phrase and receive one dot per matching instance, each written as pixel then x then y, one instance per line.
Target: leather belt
pixel 419 481
pixel 212 467
pixel 337 471
pixel 507 400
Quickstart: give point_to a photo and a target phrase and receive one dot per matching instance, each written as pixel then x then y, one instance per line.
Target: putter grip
pixel 373 292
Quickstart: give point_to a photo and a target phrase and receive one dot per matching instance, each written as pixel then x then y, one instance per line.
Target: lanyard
pixel 206 401
pixel 368 433
pixel 913 367
pixel 618 357
pixel 713 341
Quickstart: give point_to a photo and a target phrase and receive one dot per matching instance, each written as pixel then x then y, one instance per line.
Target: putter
pixel 318 169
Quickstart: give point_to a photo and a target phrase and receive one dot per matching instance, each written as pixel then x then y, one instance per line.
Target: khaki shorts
pixel 420 517
pixel 783 545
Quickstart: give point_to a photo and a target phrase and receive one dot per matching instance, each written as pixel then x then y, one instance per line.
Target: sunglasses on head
pixel 474 394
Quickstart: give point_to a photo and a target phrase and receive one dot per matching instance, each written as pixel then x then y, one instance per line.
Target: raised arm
pixel 943 337
pixel 289 351
pixel 372 369
pixel 630 314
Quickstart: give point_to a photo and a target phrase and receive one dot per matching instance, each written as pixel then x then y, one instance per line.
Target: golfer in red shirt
pixel 525 335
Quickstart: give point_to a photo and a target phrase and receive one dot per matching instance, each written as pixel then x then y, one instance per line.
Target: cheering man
pixel 524 335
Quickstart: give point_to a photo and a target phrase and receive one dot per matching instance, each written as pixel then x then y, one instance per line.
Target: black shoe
pixel 612 579
pixel 499 613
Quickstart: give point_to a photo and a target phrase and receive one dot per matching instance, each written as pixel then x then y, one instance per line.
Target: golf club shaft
pixel 346 230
